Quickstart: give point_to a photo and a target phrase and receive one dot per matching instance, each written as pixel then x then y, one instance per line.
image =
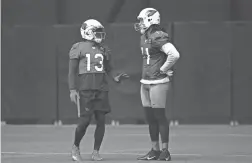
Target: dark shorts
pixel 93 100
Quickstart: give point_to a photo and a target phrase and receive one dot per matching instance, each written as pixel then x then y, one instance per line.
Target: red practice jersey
pixel 153 56
pixel 91 62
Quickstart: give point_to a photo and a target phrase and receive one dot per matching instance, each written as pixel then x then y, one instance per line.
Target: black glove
pixel 159 73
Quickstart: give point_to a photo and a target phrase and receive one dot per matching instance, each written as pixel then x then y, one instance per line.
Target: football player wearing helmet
pixel 89 64
pixel 159 55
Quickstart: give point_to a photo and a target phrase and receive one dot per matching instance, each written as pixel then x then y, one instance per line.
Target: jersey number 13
pixel 96 56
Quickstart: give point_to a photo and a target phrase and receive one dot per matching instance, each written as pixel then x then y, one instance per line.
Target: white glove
pixel 169 73
pixel 74 96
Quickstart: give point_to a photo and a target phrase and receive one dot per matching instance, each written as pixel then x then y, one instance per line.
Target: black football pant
pixel 84 122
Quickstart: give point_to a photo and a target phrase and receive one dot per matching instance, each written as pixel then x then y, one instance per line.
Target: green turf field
pixel 123 144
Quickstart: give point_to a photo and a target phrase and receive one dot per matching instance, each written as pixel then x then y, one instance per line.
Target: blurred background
pixel 212 79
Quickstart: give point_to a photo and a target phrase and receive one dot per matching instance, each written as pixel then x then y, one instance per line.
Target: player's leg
pixel 164 133
pixel 152 122
pixel 83 123
pixel 153 127
pixel 100 129
pixel 149 115
pixel 99 134
pixel 81 128
pixel 101 108
pixel 158 96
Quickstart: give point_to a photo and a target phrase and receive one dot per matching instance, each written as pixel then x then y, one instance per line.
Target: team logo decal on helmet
pixel 92 30
pixel 147 17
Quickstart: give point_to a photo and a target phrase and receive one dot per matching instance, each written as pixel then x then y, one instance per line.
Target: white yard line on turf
pixel 118 153
pixel 18 156
pixel 145 134
pixel 85 153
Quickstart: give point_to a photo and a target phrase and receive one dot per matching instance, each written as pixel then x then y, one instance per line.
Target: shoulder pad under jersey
pixel 159 38
pixel 77 48
pixel 74 52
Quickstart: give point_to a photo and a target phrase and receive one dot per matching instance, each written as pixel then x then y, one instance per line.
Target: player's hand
pixel 74 96
pixel 119 77
pixel 169 73
pixel 159 73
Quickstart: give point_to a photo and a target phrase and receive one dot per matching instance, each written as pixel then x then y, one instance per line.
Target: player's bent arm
pixel 173 56
pixel 109 65
pixel 110 70
pixel 73 70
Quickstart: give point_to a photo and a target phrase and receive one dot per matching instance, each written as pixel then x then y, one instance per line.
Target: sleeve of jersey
pixel 73 67
pixel 173 56
pixel 74 52
pixel 160 38
pixel 72 74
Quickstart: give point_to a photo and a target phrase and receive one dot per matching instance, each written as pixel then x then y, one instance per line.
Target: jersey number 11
pixel 145 51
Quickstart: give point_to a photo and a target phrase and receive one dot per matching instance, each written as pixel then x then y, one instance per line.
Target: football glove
pixel 159 73
pixel 169 73
pixel 120 76
pixel 74 96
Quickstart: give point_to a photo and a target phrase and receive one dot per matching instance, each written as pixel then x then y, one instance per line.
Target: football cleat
pixel 96 156
pixel 76 153
pixel 152 155
pixel 165 155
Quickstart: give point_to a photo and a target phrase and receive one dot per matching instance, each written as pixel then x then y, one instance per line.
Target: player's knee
pixel 160 115
pixel 100 119
pixel 100 122
pixel 162 120
pixel 151 120
pixel 83 123
pixel 150 117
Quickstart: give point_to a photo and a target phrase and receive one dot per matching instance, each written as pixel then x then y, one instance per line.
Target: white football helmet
pixel 147 17
pixel 92 30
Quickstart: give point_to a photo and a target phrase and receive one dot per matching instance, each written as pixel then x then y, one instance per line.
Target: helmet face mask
pixel 92 30
pixel 147 17
pixel 140 26
pixel 99 35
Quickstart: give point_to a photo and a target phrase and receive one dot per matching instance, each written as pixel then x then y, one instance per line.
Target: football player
pixel 90 60
pixel 159 55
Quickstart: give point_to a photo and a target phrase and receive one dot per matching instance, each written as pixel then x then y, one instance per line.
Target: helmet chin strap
pixel 144 30
pixel 98 40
